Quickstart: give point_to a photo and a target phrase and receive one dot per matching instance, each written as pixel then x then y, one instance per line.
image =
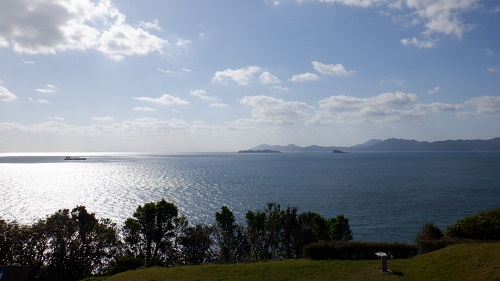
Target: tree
pixel 196 242
pixel 95 244
pixel 339 228
pixel 9 240
pixel 428 239
pixel 149 233
pixel 313 228
pixel 429 232
pixel 482 226
pixel 76 244
pixel 229 237
pixel 264 231
pixel 292 245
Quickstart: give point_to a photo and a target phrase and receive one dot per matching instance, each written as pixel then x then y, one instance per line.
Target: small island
pixel 338 151
pixel 259 151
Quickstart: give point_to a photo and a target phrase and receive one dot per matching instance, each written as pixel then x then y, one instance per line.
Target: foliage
pixel 262 232
pixel 482 226
pixel 328 250
pixel 340 229
pixel 429 239
pixel 125 263
pixel 313 228
pixel 67 245
pixel 80 244
pixel 229 237
pixel 149 233
pixel 274 233
pixel 196 242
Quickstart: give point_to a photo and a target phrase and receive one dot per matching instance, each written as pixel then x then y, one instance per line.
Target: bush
pixel 429 239
pixel 126 263
pixel 357 250
pixel 483 226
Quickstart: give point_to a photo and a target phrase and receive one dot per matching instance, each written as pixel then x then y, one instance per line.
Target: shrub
pixel 357 250
pixel 482 226
pixel 429 239
pixel 126 263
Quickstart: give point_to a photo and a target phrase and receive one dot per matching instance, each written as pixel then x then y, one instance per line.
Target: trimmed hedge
pixel 329 250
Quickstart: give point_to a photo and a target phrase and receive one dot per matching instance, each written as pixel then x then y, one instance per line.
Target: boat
pixel 75 158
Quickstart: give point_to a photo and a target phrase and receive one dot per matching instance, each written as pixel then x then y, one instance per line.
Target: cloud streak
pixel 241 76
pixel 332 69
pixel 164 100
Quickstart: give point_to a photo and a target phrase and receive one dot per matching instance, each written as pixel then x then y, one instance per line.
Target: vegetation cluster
pixel 484 226
pixel 70 245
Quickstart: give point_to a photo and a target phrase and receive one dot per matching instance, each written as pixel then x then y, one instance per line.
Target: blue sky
pixel 186 76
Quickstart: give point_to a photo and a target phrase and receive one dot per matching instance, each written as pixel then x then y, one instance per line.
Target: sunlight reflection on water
pixel 380 193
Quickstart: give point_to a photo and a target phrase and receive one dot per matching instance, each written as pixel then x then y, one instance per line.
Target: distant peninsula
pixel 259 151
pixel 392 144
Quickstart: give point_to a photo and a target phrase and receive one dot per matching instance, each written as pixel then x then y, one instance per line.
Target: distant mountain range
pixel 395 145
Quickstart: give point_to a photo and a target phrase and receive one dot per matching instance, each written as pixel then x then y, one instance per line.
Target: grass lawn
pixel 458 262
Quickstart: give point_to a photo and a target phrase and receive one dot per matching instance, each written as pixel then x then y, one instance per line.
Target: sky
pixel 216 76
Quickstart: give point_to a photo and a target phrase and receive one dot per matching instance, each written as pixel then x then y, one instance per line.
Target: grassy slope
pixel 459 262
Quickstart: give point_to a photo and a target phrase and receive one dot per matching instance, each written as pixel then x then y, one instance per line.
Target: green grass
pixel 458 262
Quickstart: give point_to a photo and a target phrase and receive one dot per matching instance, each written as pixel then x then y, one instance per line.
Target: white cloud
pixel 280 88
pixel 443 16
pixel 485 105
pixel 47 27
pixel 275 111
pixel 164 71
pixel 150 25
pixel 43 101
pixel 304 77
pixel 103 118
pixel 164 100
pixel 268 78
pixel 219 105
pixel 124 40
pixel 357 3
pixel 424 44
pixel 386 107
pixel 436 16
pixel 144 108
pixel 440 107
pixel 493 69
pixel 184 43
pixel 242 76
pixel 433 91
pixel 332 69
pixel 48 89
pixel 202 94
pixel 6 95
pixel 392 81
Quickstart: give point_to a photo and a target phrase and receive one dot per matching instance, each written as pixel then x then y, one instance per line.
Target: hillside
pixel 393 144
pixel 476 262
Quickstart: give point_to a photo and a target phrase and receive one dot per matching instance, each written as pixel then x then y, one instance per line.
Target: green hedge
pixel 328 250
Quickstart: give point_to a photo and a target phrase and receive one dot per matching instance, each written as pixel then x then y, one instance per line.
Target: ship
pixel 75 158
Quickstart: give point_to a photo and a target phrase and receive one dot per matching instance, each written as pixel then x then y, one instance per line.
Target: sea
pixel 387 196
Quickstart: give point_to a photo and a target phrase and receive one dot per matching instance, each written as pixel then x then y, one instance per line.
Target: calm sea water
pixel 386 196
